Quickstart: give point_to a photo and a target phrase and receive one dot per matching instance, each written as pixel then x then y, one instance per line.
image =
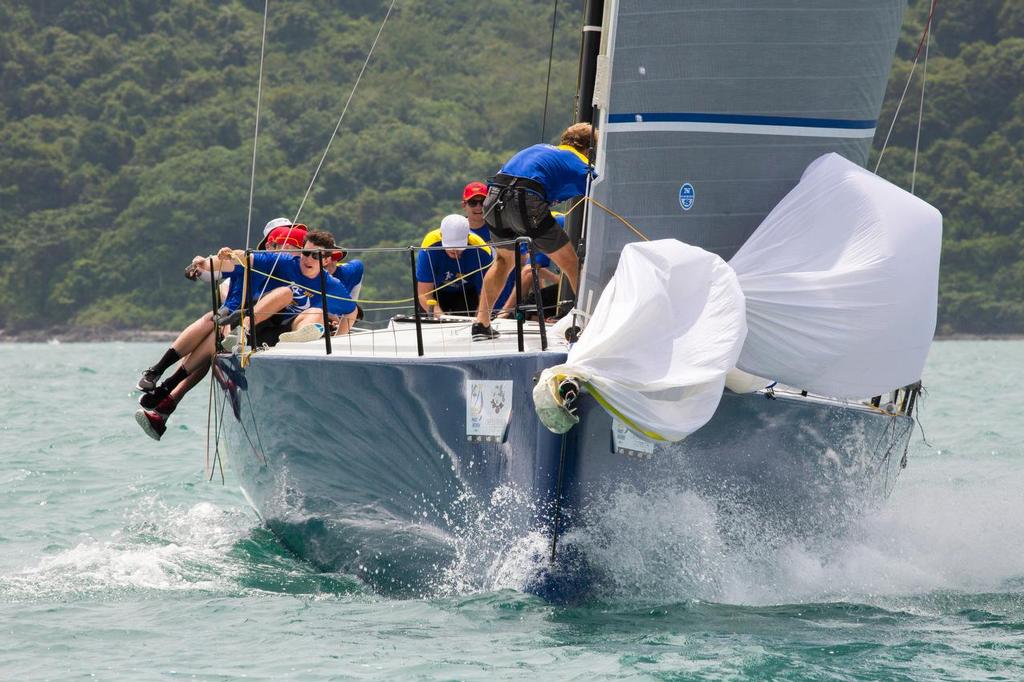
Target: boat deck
pixel 451 337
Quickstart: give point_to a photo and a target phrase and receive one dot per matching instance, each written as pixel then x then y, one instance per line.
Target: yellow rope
pixel 623 418
pixel 461 277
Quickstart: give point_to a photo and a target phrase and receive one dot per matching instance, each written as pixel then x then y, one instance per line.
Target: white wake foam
pixel 160 548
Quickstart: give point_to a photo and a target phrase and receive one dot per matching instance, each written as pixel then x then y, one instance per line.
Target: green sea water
pixel 118 560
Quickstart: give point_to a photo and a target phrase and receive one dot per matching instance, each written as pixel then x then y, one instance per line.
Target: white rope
pixel 256 134
pixel 344 111
pixel 920 112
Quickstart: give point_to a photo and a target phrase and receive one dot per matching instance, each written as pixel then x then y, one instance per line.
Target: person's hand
pixel 226 253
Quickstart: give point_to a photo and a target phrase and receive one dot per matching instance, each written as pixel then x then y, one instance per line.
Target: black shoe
pixel 484 332
pixel 150 399
pixel 147 382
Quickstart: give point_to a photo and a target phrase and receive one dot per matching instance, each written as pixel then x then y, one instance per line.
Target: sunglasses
pixel 475 202
pixel 310 254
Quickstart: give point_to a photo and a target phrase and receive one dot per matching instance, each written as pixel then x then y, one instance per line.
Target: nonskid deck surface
pixel 449 339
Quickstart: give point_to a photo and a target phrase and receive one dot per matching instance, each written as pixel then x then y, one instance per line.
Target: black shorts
pixel 456 300
pixel 269 331
pixel 513 212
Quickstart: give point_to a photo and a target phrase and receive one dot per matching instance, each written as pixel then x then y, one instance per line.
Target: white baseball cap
pixel 276 222
pixel 455 231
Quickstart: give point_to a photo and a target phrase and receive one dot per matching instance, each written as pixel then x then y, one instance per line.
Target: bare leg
pixel 191 336
pixel 566 260
pixel 346 323
pixel 494 280
pixel 307 317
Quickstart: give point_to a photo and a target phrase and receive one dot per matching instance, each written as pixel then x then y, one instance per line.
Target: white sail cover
pixel 666 330
pixel 841 284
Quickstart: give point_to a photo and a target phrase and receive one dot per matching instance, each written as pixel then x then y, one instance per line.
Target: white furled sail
pixel 667 329
pixel 841 284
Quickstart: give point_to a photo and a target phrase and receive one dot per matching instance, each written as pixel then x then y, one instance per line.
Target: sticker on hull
pixel 488 410
pixel 626 442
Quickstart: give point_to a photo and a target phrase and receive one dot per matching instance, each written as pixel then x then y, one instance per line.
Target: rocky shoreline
pixel 86 335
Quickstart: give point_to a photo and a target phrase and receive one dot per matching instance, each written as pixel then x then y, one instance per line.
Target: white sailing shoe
pixel 310 332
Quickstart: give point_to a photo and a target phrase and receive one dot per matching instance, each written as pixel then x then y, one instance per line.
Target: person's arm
pixel 425 292
pixel 224 261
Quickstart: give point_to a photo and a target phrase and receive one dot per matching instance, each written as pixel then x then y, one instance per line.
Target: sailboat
pixel 732 134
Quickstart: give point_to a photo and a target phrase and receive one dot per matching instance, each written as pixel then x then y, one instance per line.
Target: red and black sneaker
pixel 152 422
pixel 151 399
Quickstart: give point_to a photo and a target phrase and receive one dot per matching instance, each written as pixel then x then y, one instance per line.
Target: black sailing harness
pixel 520 205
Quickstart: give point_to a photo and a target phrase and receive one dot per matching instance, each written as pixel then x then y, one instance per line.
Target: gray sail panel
pixel 733 99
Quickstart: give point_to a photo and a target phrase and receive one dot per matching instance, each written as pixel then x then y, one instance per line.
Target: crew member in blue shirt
pixel 473 196
pixel 448 279
pixel 292 302
pixel 519 202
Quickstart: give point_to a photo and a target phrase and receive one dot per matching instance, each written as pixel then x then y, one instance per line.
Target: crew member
pixel 448 279
pixel 519 202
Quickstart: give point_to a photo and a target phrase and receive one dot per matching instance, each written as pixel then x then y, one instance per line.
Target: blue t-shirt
pixel 236 279
pixel 350 274
pixel 561 170
pixel 484 232
pixel 439 268
pixel 305 290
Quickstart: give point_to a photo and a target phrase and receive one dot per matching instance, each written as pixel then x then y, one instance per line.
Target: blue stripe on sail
pixel 743 119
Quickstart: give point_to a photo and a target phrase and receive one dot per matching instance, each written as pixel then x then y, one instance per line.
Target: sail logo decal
pixel 743 124
pixel 686 196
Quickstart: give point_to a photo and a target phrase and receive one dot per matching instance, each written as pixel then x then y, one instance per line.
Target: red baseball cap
pixel 293 236
pixel 474 189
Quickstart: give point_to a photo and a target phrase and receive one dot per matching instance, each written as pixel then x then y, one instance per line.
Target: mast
pixel 590 47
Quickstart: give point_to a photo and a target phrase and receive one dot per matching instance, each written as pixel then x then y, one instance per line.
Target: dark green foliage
pixel 126 139
pixel 971 164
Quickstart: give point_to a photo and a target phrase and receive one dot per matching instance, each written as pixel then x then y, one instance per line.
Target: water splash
pixel 677 545
pixel 165 548
pixel 496 546
pixel 159 548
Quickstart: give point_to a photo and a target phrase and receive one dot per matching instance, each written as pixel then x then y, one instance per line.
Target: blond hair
pixel 578 136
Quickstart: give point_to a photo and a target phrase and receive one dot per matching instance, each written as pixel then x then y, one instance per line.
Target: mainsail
pixel 711 110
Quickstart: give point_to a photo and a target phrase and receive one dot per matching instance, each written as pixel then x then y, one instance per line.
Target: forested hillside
pixel 126 138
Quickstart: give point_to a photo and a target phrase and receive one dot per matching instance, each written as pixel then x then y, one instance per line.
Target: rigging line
pixel 558 500
pixel 920 111
pixel 910 77
pixel 344 110
pixel 220 425
pixel 256 134
pixel 547 86
pixel 209 408
pixel 625 222
pixel 337 127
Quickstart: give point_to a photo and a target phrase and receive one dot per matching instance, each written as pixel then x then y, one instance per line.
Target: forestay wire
pixel 922 45
pixel 334 134
pixel 341 118
pixel 256 134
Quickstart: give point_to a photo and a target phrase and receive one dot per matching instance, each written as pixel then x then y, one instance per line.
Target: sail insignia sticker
pixel 686 195
pixel 488 410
